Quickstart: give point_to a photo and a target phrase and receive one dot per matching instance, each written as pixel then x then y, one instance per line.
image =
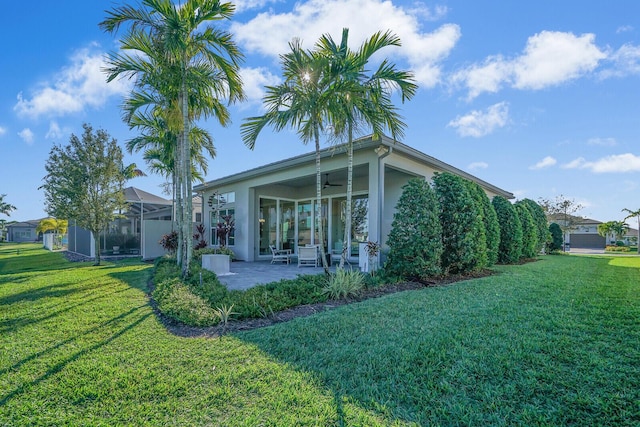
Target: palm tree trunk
pixel 185 223
pixel 325 265
pixel 347 223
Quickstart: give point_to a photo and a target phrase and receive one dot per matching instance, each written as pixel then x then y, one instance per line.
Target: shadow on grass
pixel 75 356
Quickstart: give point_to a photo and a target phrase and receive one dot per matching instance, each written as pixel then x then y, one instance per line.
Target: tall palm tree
pixel 5 208
pixel 177 55
pixel 363 100
pixel 299 102
pixel 634 214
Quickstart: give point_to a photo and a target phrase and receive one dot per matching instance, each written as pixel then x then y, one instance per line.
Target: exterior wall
pixel 21 234
pixel 282 181
pixel 80 241
pixel 153 232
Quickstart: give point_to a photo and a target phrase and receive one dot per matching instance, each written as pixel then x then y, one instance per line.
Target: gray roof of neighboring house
pixel 359 144
pixel 33 223
pixel 135 195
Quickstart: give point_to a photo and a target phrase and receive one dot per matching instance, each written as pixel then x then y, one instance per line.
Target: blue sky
pixel 540 97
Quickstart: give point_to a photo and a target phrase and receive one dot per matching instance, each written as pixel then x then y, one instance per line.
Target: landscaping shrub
pixel 176 300
pixel 415 240
pixel 529 231
pixel 510 231
pixel 540 220
pixel 264 300
pixel 616 248
pixel 490 221
pixel 464 240
pixel 556 240
pixel 197 253
pixel 344 283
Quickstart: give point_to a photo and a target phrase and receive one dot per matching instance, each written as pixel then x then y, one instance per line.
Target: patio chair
pixel 280 255
pixel 308 255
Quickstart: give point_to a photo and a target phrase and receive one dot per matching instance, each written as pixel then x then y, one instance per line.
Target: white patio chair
pixel 280 255
pixel 308 255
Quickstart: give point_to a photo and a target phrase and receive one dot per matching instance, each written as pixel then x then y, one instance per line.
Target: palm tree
pixel 634 214
pixel 5 208
pixel 300 102
pixel 361 99
pixel 58 226
pixel 187 66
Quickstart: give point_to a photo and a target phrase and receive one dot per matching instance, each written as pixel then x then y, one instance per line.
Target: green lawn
pixel 555 342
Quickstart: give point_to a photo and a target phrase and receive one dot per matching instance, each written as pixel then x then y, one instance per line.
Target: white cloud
pixel 309 20
pixel 544 163
pixel 27 135
pixel 254 80
pixel 574 164
pixel 605 142
pixel 2 131
pixel 480 123
pixel 79 85
pixel 624 29
pixel 548 59
pixel 615 163
pixel 243 5
pixel 478 165
pixel 54 131
pixel 625 61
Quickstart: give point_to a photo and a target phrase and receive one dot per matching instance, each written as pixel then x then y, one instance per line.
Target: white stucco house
pixel 275 204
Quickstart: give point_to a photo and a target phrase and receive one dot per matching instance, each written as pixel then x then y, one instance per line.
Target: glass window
pixel 220 219
pixel 268 225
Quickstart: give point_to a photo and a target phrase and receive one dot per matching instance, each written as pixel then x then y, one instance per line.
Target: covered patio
pixel 245 275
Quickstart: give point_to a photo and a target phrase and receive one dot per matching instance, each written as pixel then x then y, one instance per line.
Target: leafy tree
pixel 490 220
pixel 510 231
pixel 529 231
pixel 415 240
pixel 634 214
pixel 540 220
pixel 555 243
pixel 362 99
pixel 84 182
pixel 5 208
pixel 300 102
pixel 463 237
pixel 562 210
pixel 183 67
pixel 615 228
pixel 58 226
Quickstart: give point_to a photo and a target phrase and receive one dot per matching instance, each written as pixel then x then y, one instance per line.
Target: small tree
pixel 84 182
pixel 634 214
pixel 562 210
pixel 463 236
pixel 224 228
pixel 489 219
pixel 540 220
pixel 58 226
pixel 415 244
pixel 615 228
pixel 529 231
pixel 510 231
pixel 555 242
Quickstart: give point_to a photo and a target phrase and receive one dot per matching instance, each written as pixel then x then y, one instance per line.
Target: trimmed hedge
pixel 510 231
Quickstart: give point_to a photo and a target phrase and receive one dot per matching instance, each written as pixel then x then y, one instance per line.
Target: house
pixel 583 232
pixel 23 231
pixel 275 204
pixel 136 232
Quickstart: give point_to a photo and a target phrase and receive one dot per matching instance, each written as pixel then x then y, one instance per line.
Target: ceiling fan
pixel 328 184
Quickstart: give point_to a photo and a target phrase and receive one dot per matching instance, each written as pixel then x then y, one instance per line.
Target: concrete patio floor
pixel 245 275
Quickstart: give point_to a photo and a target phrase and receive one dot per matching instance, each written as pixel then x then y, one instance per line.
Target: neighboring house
pixel 275 204
pixel 137 232
pixel 23 231
pixel 631 237
pixel 584 232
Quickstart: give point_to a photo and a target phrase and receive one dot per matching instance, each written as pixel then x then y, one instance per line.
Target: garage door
pixel 587 241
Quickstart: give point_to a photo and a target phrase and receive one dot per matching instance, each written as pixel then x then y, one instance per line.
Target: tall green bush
pixel 463 238
pixel 555 243
pixel 510 231
pixel 490 220
pixel 540 219
pixel 415 244
pixel 529 231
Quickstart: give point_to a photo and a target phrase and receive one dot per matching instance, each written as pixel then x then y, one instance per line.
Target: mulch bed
pixel 183 330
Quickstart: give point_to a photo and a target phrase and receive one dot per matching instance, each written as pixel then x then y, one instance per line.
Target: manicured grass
pixel 554 342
